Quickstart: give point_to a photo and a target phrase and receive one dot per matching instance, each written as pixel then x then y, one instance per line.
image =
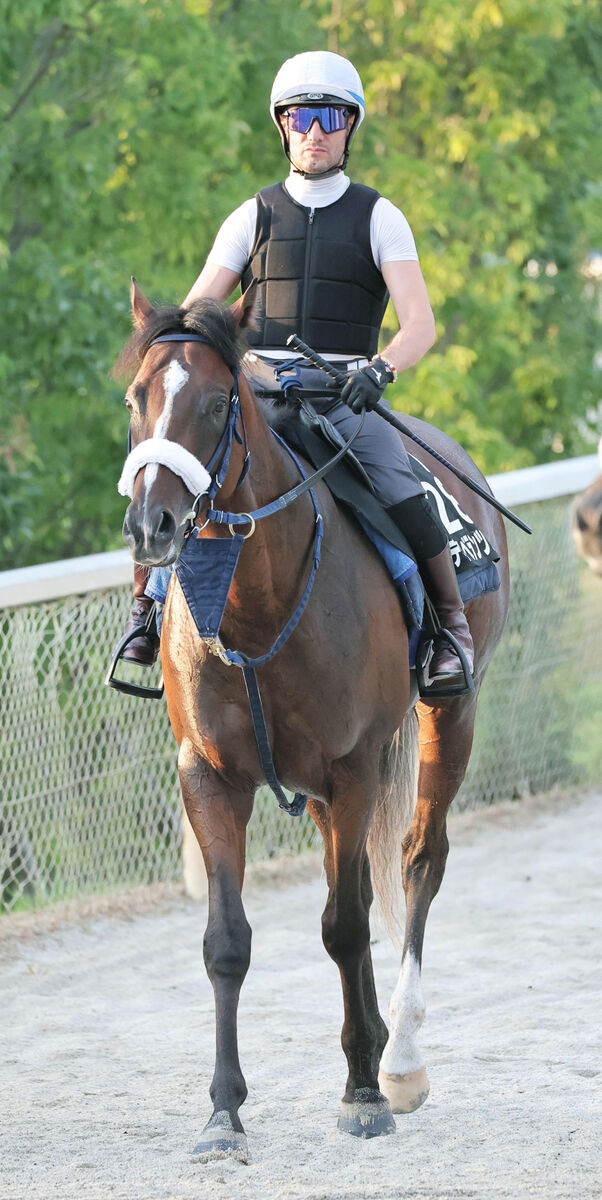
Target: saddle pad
pixel 468 545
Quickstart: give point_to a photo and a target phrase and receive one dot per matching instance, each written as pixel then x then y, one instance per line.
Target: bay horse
pixel 345 729
pixel 586 521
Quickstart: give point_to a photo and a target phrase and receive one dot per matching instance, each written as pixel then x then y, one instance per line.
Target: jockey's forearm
pixel 411 343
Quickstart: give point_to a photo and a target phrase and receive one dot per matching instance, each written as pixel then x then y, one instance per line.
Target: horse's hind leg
pixel 445 744
pixel 346 935
pixel 219 817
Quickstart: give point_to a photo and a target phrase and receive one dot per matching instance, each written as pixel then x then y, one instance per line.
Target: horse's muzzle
pixel 586 526
pixel 152 536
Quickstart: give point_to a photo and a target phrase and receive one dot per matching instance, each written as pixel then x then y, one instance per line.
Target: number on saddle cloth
pixel 474 558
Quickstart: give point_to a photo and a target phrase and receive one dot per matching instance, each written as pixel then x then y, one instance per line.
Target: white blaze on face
pixel 406 1014
pixel 173 381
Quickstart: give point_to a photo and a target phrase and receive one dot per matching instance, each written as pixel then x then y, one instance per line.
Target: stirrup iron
pixel 436 690
pixel 121 685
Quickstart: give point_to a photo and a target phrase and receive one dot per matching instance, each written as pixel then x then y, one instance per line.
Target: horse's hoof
pixel 405 1093
pixel 220 1139
pixel 368 1116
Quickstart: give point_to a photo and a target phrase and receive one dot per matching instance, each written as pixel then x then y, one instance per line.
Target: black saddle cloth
pixel 317 439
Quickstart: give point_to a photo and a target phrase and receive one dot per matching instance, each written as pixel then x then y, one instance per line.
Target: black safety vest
pixel 315 273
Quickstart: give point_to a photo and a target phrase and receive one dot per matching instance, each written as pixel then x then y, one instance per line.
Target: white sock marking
pixel 406 1014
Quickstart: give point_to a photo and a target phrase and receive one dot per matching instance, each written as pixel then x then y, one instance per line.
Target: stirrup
pixel 436 690
pixel 120 685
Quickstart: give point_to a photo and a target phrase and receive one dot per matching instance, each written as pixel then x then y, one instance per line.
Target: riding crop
pixel 341 379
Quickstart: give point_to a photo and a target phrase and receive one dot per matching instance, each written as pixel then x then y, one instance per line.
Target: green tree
pixel 485 128
pixel 126 139
pixel 130 129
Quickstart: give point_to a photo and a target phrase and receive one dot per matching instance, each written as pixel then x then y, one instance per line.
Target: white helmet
pixel 322 77
pixel 318 75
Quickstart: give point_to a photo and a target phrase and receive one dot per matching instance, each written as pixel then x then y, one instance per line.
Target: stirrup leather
pixel 121 685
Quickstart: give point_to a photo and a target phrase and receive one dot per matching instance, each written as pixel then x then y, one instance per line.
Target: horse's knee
pixel 227 949
pixel 346 936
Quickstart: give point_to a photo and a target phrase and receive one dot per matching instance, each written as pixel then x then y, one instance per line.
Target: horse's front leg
pixel 346 934
pixel 445 744
pixel 219 816
pixel 321 815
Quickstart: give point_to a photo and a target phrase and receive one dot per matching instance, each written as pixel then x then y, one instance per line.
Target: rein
pixel 152 451
pixel 224 449
pixel 341 379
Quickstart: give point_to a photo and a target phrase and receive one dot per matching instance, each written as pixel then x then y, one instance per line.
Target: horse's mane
pixel 205 317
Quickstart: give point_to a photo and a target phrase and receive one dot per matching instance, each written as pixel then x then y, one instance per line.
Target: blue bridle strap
pixel 236 658
pixel 223 449
pixel 296 807
pixel 181 337
pixel 239 659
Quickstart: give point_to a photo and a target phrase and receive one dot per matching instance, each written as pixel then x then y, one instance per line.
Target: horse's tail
pixel 394 809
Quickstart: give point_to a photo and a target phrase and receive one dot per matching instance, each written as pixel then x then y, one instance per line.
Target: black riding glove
pixel 364 388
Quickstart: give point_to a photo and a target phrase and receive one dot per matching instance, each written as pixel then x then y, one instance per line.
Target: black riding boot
pixel 143 649
pixel 428 541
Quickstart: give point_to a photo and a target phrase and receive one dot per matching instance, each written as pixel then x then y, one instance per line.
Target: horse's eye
pixel 220 404
pixel 128 404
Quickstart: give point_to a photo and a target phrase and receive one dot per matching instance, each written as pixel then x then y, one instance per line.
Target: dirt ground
pixel 107 1035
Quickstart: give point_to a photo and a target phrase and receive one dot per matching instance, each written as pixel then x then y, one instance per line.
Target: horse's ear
pixel 142 308
pixel 244 310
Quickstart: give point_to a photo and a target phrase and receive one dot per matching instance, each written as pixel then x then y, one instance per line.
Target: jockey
pixel 324 254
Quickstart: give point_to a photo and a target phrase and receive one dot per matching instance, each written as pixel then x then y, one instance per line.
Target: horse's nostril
pixel 167 525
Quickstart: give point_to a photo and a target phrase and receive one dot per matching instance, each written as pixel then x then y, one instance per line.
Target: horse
pixel 586 521
pixel 380 769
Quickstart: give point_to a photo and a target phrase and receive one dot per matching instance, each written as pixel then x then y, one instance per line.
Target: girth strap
pixel 296 807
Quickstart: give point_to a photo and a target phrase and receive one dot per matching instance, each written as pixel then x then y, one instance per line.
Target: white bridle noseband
pixel 164 453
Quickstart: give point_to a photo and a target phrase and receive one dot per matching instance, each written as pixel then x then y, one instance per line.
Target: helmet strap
pixel 317 174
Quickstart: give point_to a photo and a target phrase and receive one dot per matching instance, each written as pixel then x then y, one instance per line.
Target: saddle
pixel 313 435
pixel 285 396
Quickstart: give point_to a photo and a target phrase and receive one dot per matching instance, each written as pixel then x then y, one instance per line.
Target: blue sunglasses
pixel 330 118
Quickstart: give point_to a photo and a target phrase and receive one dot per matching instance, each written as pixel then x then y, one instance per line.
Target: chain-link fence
pixel 88 789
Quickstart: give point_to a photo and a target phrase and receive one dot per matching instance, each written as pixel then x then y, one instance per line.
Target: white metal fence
pixel 88 792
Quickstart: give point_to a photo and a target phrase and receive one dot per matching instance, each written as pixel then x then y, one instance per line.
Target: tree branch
pixel 57 39
pixel 51 51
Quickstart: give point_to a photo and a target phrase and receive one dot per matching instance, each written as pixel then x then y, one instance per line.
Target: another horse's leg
pixel 346 935
pixel 219 816
pixel 445 742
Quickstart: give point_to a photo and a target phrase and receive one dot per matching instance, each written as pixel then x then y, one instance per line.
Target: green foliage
pixel 485 128
pixel 130 129
pixel 125 142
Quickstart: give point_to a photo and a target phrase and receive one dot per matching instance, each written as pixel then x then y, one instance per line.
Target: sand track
pixel 107 1032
